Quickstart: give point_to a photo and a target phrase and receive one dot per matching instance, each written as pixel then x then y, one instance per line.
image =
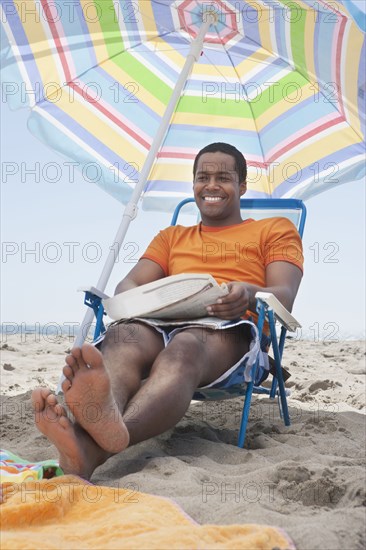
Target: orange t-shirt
pixel 238 252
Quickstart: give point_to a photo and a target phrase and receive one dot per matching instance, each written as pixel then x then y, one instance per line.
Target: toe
pixel 64 422
pixel 39 396
pixel 92 356
pixel 77 354
pixel 45 392
pixel 68 372
pixel 51 400
pixel 60 410
pixel 66 385
pixel 72 364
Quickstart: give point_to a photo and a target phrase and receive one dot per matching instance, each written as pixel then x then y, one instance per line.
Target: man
pixel 104 390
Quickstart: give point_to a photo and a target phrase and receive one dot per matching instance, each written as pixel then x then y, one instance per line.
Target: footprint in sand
pixel 298 484
pixel 322 385
pixel 291 471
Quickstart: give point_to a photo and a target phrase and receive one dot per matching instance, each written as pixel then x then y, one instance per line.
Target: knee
pixel 111 339
pixel 181 358
pixel 118 335
pixel 186 347
pixel 117 344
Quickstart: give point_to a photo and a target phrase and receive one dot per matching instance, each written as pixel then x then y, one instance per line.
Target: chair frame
pixel 265 312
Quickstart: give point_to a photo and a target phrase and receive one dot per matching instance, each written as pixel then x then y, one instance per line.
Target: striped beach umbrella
pixel 128 91
pixel 283 81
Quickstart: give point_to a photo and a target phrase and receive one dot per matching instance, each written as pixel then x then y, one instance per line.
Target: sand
pixel 308 478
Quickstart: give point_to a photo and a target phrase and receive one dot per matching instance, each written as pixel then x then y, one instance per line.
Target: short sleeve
pixel 282 243
pixel 159 250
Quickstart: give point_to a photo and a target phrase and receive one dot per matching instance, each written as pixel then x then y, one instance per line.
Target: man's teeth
pixel 213 199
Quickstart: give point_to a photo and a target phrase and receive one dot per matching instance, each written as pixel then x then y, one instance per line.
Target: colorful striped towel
pixel 14 469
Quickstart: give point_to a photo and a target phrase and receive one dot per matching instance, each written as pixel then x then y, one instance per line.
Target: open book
pixel 183 296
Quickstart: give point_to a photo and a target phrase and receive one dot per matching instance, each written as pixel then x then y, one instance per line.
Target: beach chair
pixel 268 308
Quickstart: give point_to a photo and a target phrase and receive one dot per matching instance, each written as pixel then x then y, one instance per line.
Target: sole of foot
pixel 79 454
pixel 89 397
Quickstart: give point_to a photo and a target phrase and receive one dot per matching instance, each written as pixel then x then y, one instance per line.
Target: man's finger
pixel 229 312
pixel 227 300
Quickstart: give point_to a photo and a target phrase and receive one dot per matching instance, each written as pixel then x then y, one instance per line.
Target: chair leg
pixel 280 348
pixel 277 358
pixel 283 398
pixel 245 414
pixel 272 395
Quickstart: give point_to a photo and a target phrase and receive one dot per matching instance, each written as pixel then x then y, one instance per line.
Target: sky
pixel 56 236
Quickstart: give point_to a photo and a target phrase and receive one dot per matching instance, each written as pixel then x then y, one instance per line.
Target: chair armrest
pixel 94 291
pixel 281 313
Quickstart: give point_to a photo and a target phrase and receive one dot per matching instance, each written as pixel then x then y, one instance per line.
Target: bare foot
pixel 88 395
pixel 79 454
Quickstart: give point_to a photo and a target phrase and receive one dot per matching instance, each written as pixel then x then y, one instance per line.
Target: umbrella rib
pixel 129 49
pixel 254 121
pixel 310 81
pixel 299 70
pixel 253 118
pixel 101 63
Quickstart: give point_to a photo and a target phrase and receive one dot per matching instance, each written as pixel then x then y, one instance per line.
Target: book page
pixel 176 291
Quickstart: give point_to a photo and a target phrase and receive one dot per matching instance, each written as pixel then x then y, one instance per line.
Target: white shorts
pixel 247 369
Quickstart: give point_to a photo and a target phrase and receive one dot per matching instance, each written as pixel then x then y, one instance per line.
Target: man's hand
pixel 282 280
pixel 235 304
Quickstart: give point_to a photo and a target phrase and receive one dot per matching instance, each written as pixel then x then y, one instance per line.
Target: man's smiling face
pixel 217 189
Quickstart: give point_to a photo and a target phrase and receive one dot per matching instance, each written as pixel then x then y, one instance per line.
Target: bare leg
pixel 194 358
pixel 129 353
pixel 79 454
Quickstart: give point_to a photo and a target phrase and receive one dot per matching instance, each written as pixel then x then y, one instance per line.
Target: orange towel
pixel 67 512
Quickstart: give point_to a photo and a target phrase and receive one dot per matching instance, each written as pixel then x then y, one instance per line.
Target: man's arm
pixel 145 271
pixel 282 279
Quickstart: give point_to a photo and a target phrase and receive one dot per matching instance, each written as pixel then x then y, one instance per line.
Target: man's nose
pixel 212 181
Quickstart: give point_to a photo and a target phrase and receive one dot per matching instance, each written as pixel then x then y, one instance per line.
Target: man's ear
pixel 243 187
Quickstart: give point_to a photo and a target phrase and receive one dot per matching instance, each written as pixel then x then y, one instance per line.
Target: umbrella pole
pixel 131 209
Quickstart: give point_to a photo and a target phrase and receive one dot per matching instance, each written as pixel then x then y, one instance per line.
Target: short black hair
pixel 240 162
